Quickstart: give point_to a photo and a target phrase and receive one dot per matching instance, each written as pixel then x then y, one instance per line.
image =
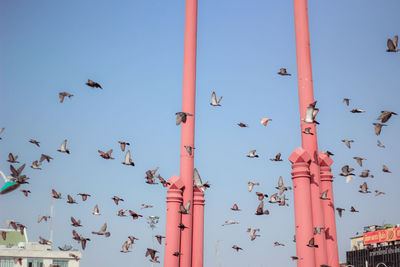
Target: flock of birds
pixel 151 177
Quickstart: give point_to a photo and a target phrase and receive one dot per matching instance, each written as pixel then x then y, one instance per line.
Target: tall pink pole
pixel 172 232
pixel 187 132
pixel 300 160
pixel 329 210
pixel 198 228
pixel 309 142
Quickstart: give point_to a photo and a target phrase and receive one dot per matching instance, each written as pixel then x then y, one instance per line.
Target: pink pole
pixel 329 210
pixel 300 160
pixel 198 228
pixel 309 142
pixel 187 131
pixel 172 232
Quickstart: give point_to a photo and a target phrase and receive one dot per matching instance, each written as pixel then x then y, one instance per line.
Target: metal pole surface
pixel 187 130
pixel 309 142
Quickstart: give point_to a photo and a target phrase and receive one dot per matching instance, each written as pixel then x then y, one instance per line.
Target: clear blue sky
pixel 134 49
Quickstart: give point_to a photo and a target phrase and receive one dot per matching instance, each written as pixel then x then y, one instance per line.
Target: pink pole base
pixel 198 228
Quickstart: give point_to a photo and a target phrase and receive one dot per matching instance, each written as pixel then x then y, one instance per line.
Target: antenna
pixel 51 219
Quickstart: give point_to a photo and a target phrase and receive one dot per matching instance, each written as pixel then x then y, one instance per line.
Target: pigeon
pixel 62 95
pixel 252 154
pixel 295 258
pixel 185 209
pixel 311 243
pixel 311 113
pixel 36 165
pixel 189 150
pixel 162 181
pixel 318 229
pixel 106 155
pixel 126 246
pixel 250 185
pixel 182 226
pixel 347 142
pixel 385 169
pixel 152 254
pixel 214 101
pixel 377 193
pixel 12 224
pixel 329 153
pixel 132 239
pixel 3 235
pixel 253 232
pixel 116 199
pixel 146 206
pixel 44 241
pixel 340 211
pixel 261 195
pixel 346 100
pixel 18 260
pixel 121 213
pixel 96 210
pixel 134 215
pixel 357 110
pixel 43 217
pixel 260 209
pixel 229 222
pixel 242 125
pixel 71 200
pixel 198 182
pixel 324 195
pixel 75 223
pixel 264 121
pixel 281 187
pixel 102 231
pixel 93 84
pixel 378 127
pixel 352 209
pixel 307 131
pixel 274 198
pixel 235 247
pixel 33 141
pixel 26 192
pixel 359 160
pixel 75 257
pixel 12 158
pixel 385 115
pixel 235 207
pixel 364 188
pixel 65 248
pixel 277 244
pixel 283 72
pixel 176 253
pixel 348 178
pixel 380 144
pixel 365 174
pixel 55 195
pixel 123 145
pixel 346 171
pixel 2 130
pixel 181 117
pixel 159 238
pixel 277 157
pixel 84 196
pixel 63 147
pixel 45 157
pixel 392 44
pixel 282 201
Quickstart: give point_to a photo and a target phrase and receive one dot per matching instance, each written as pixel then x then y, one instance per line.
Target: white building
pixel 32 254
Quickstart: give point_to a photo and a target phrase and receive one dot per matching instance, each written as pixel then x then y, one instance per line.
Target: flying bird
pixel 385 115
pixel 116 199
pixel 277 157
pixel 126 246
pixel 235 247
pixel 230 222
pixel 324 195
pixel 12 158
pixel 84 196
pixel 26 192
pixel 274 198
pixel 346 100
pixel 253 232
pixel 102 231
pixel 352 209
pixel 365 174
pixel 307 131
pixel 63 147
pixel 260 209
pixel 106 155
pixel 185 209
pixel 181 117
pixel 123 145
pixel 281 187
pixel 189 150
pixel 75 223
pixel 250 185
pixel 277 244
pixel 311 243
pixel 121 213
pixel 346 171
pixel 134 215
pixel 283 72
pixel 385 169
pixel 55 195
pixel 364 188
pixel 242 125
pixel 347 142
pixel 44 157
pixel 62 95
pixel 264 121
pixel 252 154
pixel 198 182
pixel 33 141
pixel 145 206
pixel 159 238
pixel 36 165
pixel 152 254
pixel 43 217
pixel 93 84
pixel 96 210
pixel 235 207
pixel 311 113
pixel 392 44
pixel 359 160
pixel 378 127
pixel 65 248
pixel 214 101
pixel 357 110
pixel 71 200
pixel 377 193
pixel 2 130
pixel 261 195
pixel 380 144
pixel 340 211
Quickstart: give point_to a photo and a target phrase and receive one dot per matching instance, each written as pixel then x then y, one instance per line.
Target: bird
pixel 96 210
pixel 93 84
pixel 126 246
pixel 359 160
pixel 230 222
pixel 18 260
pixel 295 258
pixel 63 147
pixel 357 110
pixel 121 213
pixel 274 198
pixel 283 72
pixel 3 235
pixel 182 226
pixel 264 121
pixel 116 199
pixel 235 207
pixel 55 194
pixel 352 209
pixel 102 231
pixel 365 174
pixel 84 196
pixel 318 229
pixel 281 187
pixel 123 145
pixel 146 206
pixel 252 154
pixel 33 141
pixel 176 253
pixel 44 241
pixel 62 95
pixel 189 150
pixel 385 169
pixel 340 211
pixel 181 117
pixel 26 192
pixel 75 257
pixel 134 215
pixel 277 157
pixel 198 182
pixel 311 113
pixel 392 44
pixel 253 232
pixel 347 142
pixel 346 171
pixel 364 188
pixel 377 193
pixel 65 248
pixel 132 239
pixel 261 195
pixel 311 243
pixel 250 185
pixel 282 201
pixel 36 165
pixel 329 153
pixel 152 253
pixel 385 115
pixel 43 217
pixel 380 144
pixel 277 244
pixel 185 209
pixel 260 209
pixel 75 223
pixel 378 127
pixel 242 125
pixel 106 155
pixel 162 181
pixel 348 178
pixel 214 101
pixel 71 200
pixel 45 157
pixel 324 195
pixel 159 238
pixel 307 131
pixel 235 247
pixel 12 158
pixel 346 100
pixel 1 131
